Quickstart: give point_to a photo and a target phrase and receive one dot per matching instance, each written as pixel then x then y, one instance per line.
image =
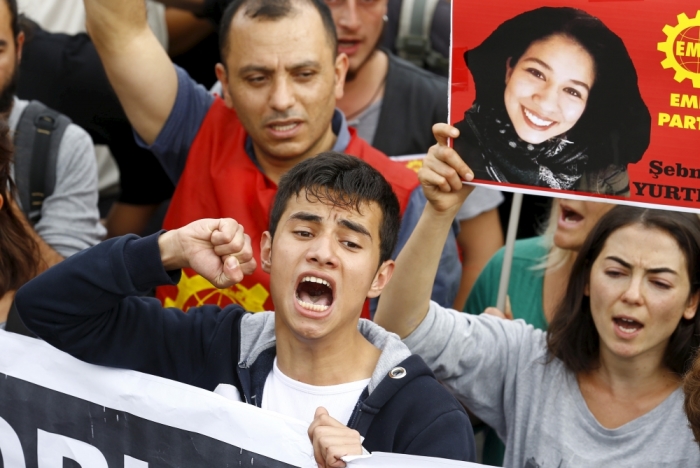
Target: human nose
pixel 349 18
pixel 546 97
pixel 322 252
pixel 633 293
pixel 282 95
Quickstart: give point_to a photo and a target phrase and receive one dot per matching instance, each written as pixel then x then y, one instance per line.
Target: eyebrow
pixel 544 65
pixel 313 218
pixel 650 270
pixel 264 69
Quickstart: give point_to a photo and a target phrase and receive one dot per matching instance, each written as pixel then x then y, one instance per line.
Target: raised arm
pixel 405 300
pixel 91 305
pixel 137 66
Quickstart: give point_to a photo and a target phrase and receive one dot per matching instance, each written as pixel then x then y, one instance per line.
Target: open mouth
pixel 314 294
pixel 536 120
pixel 570 216
pixel 284 128
pixel 627 325
pixel 348 46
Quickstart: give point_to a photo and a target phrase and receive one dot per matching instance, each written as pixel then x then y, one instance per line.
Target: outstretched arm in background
pixel 137 66
pixel 404 302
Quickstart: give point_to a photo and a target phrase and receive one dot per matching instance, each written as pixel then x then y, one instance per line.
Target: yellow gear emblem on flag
pixel 196 291
pixel 683 42
pixel 415 165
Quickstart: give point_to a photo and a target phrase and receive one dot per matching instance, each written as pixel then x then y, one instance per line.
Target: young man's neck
pixel 366 87
pixel 332 360
pixel 274 167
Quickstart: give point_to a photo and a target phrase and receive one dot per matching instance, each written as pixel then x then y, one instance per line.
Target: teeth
pixel 628 330
pixel 284 128
pixel 313 279
pixel 314 307
pixel 536 120
pixel 627 320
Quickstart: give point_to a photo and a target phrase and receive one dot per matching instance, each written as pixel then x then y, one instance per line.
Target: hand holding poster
pixel 580 98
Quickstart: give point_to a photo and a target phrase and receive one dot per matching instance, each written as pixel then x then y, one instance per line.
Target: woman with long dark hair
pixel 18 251
pixel 602 387
pixel 557 105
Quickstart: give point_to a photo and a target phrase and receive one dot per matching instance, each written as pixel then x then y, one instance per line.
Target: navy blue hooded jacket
pixel 90 307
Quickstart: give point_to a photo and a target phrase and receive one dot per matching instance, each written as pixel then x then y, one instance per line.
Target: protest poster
pixel 59 412
pixel 580 99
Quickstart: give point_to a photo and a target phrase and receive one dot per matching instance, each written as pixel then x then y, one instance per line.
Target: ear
pixel 692 307
pixel 509 70
pixel 266 251
pixel 341 69
pixel 222 76
pixel 381 278
pixel 20 45
pixel 2 201
pixel 586 290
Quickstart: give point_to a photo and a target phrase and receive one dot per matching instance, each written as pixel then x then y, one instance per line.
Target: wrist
pixel 443 215
pixel 170 251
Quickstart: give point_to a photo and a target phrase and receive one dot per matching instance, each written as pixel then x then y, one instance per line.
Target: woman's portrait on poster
pixel 557 105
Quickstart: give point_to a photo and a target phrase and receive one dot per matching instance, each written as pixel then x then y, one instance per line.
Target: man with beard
pixel 68 219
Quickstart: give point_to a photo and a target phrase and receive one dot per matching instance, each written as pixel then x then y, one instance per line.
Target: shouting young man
pixel 333 226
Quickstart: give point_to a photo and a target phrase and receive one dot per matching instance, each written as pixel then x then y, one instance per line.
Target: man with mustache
pixel 280 79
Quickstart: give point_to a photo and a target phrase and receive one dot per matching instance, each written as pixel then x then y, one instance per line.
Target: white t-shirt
pixel 300 400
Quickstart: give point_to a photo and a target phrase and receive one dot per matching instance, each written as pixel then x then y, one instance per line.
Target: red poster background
pixel 640 24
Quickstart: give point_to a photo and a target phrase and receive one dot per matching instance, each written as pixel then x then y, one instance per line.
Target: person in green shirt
pixel 540 272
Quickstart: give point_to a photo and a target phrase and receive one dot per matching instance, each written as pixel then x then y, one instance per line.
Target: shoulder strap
pixel 413 42
pixel 37 140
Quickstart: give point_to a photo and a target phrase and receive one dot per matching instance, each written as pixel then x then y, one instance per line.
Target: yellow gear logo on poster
pixel 682 48
pixel 196 291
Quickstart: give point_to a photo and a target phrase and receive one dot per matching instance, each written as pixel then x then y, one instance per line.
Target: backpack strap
pixel 37 141
pixel 413 42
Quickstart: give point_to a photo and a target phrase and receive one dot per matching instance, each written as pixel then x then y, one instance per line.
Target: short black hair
pixel 273 10
pixel 572 335
pixel 344 181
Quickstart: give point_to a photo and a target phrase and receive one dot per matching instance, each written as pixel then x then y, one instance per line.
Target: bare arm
pixel 405 300
pixel 479 238
pixel 137 66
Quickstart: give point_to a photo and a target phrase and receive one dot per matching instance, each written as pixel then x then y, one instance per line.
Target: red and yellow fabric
pixel 220 180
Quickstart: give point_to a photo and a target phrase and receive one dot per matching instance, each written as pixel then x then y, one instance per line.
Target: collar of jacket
pixel 257 353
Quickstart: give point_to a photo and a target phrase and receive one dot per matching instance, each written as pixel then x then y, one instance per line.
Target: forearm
pixel 136 64
pixel 112 25
pixel 70 295
pixel 405 300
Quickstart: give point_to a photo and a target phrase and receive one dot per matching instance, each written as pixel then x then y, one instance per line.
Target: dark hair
pixel 572 335
pixel 272 10
pixel 691 388
pixel 343 181
pixel 14 17
pixel 18 251
pixel 616 124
